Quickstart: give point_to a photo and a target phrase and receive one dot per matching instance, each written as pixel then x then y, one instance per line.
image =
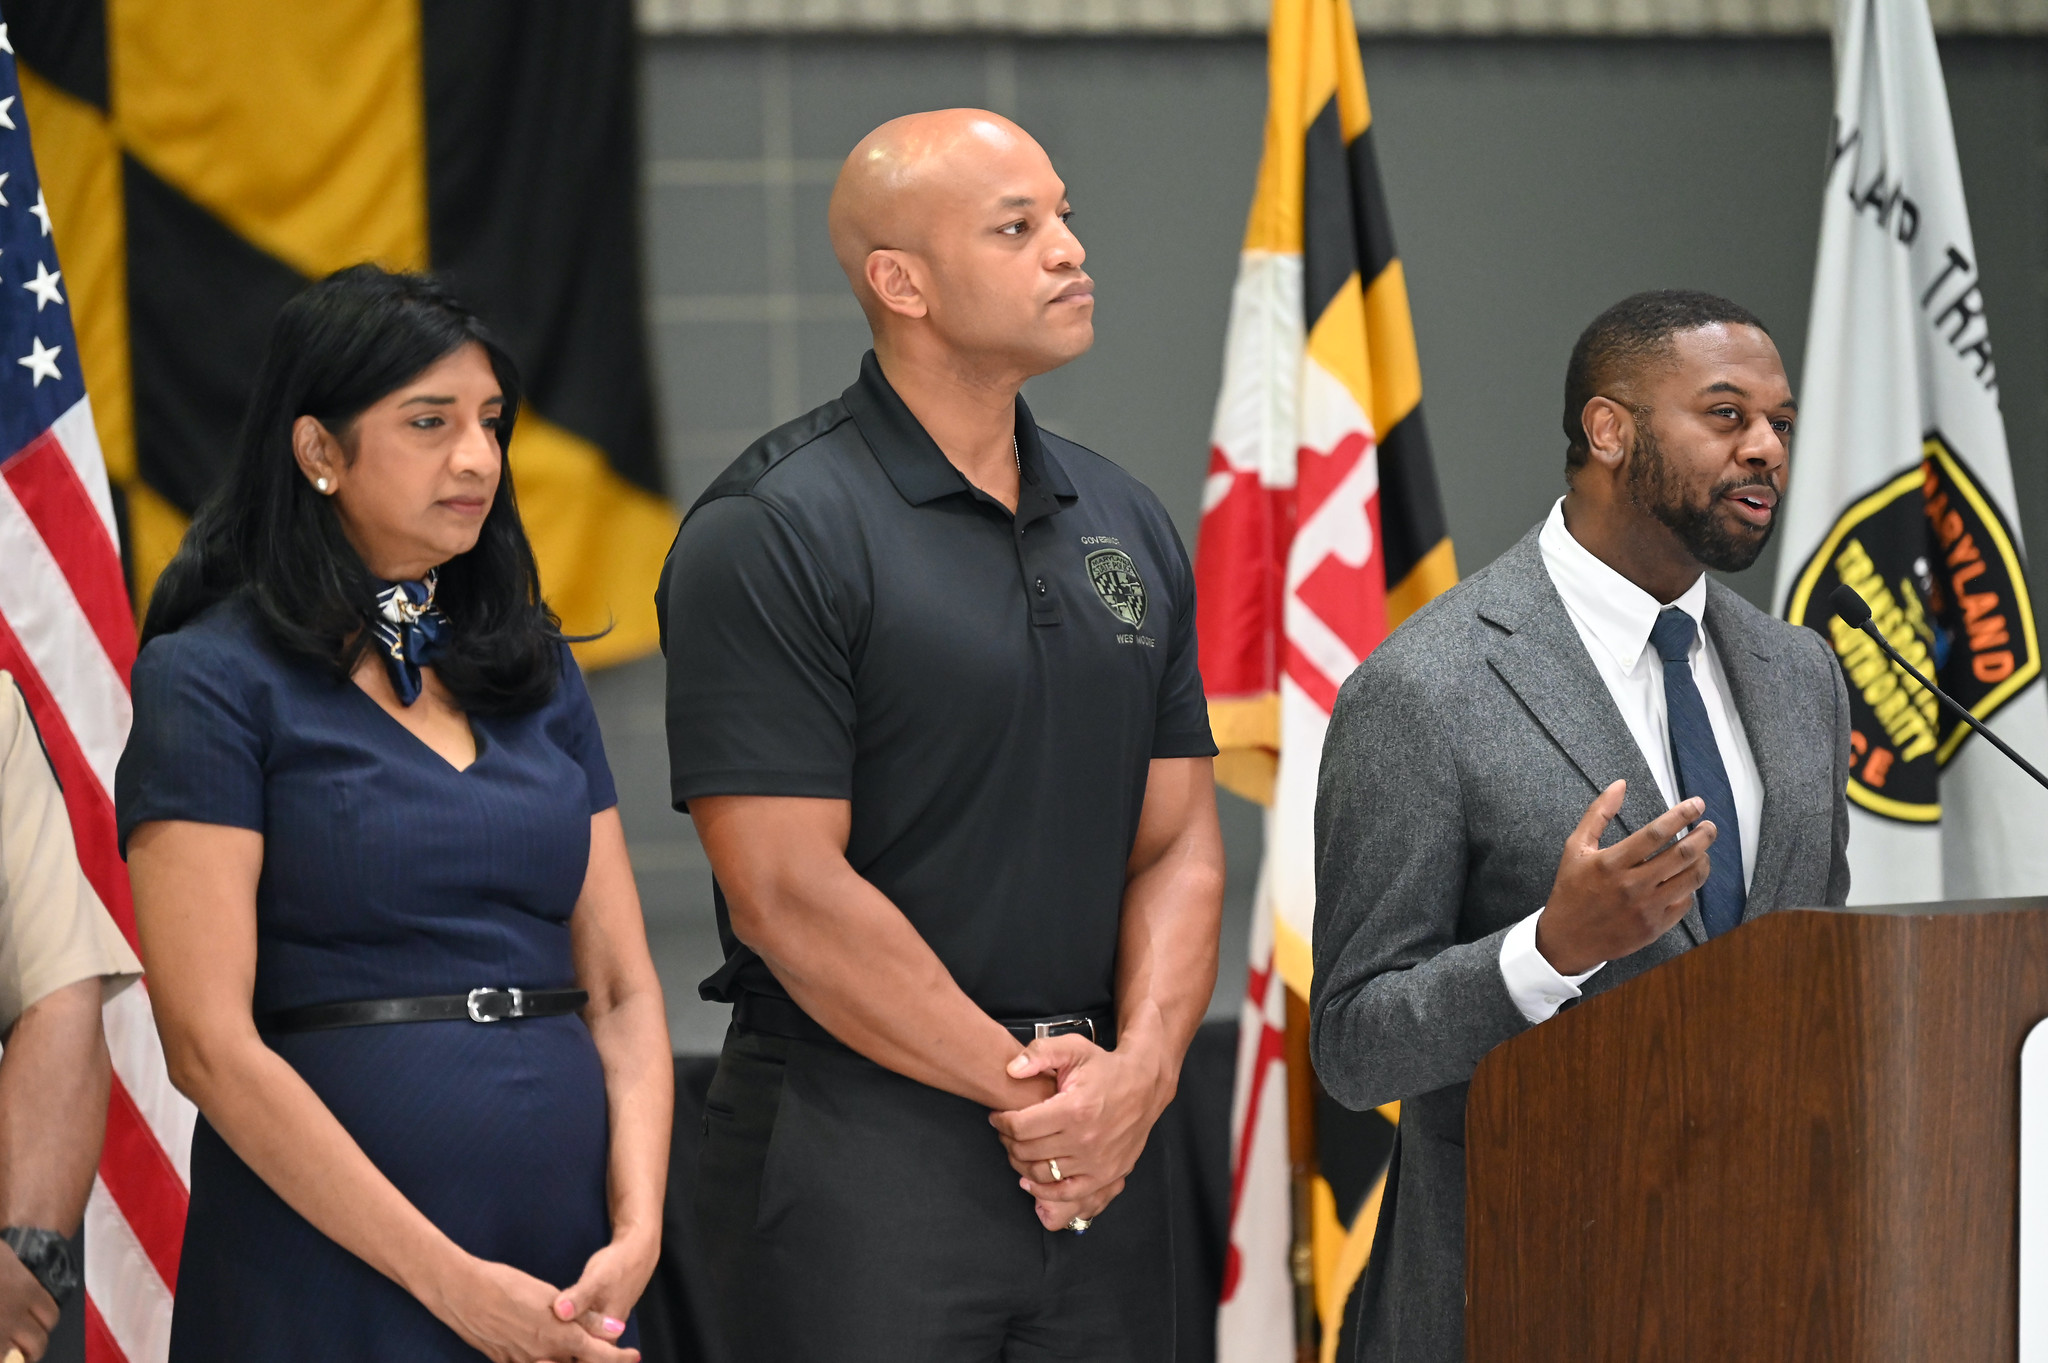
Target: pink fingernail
pixel 614 1327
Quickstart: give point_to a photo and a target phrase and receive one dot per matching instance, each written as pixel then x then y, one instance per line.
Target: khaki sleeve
pixel 53 929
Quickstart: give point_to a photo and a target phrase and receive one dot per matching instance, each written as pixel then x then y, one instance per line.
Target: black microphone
pixel 1855 612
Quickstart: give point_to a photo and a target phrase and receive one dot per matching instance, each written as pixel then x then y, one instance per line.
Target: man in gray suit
pixel 1583 760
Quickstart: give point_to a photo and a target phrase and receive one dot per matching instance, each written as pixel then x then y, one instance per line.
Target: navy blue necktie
pixel 1700 773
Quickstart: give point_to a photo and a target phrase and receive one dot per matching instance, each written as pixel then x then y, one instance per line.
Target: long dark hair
pixel 338 347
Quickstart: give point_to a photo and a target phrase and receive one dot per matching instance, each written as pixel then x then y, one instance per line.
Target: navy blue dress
pixel 386 873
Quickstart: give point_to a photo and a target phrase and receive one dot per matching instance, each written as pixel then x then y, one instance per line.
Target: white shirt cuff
pixel 1533 983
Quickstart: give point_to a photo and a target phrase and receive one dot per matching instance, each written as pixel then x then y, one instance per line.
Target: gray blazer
pixel 1460 756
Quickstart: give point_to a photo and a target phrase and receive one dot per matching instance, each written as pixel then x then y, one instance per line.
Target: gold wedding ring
pixel 1057 1176
pixel 14 1356
pixel 1079 1225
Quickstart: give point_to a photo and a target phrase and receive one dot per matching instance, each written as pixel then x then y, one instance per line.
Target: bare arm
pixel 195 904
pixel 1098 1124
pixel 55 1073
pixel 847 956
pixel 1173 913
pixel 54 1078
pixel 630 1026
pixel 53 1115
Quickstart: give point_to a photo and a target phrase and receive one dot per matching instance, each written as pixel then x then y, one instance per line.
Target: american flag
pixel 67 633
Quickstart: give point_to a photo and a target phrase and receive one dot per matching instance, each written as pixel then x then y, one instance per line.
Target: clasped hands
pixel 512 1317
pixel 1094 1125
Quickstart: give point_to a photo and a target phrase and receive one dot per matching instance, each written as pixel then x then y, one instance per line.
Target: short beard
pixel 1653 488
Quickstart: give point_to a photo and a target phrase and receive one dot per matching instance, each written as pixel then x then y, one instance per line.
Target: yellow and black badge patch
pixel 1943 578
pixel 1118 584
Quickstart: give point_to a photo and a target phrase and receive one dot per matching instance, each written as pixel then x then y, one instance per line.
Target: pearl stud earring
pixel 320 483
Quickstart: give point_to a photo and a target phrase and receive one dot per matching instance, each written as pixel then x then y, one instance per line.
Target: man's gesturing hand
pixel 1095 1125
pixel 1609 903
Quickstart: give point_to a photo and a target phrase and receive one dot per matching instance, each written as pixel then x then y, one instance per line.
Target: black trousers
pixel 851 1214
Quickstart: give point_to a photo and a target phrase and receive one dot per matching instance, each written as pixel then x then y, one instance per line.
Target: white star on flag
pixel 44 286
pixel 5 46
pixel 41 361
pixel 40 210
pixel 3 185
pixel 5 120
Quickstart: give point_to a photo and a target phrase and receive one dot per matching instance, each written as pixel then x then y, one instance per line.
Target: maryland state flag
pixel 204 159
pixel 1322 529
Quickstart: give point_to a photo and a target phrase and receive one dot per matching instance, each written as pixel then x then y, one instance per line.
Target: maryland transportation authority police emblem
pixel 1936 562
pixel 1118 584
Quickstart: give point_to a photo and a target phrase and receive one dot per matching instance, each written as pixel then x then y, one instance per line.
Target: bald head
pixel 952 228
pixel 909 171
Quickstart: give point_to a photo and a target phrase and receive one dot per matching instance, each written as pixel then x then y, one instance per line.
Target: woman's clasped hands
pixel 514 1317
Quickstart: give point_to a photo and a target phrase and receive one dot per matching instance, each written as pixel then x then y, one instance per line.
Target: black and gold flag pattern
pixel 1347 248
pixel 204 159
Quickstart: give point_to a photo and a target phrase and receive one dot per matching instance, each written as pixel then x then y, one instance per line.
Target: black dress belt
pixel 478 1005
pixel 753 1012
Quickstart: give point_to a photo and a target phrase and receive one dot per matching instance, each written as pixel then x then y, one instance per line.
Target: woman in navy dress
pixel 393 943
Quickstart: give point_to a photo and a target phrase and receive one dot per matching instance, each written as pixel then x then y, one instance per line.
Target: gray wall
pixel 1532 182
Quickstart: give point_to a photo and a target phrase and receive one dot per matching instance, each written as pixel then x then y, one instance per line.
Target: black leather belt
pixel 779 1017
pixel 478 1005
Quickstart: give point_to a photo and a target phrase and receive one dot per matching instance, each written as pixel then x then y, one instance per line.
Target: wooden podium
pixel 1798 1141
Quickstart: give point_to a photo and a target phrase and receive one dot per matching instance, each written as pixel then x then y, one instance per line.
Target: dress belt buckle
pixel 1041 1030
pixel 495 1005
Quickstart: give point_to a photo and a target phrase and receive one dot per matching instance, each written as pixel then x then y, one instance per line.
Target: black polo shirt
pixel 846 617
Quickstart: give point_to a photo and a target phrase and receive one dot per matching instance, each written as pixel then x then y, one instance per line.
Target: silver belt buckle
pixel 479 999
pixel 1041 1030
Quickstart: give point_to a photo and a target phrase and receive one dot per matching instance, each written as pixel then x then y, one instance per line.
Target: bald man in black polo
pixel 934 708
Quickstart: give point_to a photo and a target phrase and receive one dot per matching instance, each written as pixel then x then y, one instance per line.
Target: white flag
pixel 1902 488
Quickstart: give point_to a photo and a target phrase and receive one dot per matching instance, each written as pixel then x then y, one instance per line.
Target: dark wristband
pixel 46 1254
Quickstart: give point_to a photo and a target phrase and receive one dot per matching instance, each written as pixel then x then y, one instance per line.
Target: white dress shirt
pixel 1614 617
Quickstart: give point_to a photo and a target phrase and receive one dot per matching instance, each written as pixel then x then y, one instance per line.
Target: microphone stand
pixel 1855 612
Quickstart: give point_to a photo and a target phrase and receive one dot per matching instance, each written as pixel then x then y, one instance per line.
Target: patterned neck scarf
pixel 412 630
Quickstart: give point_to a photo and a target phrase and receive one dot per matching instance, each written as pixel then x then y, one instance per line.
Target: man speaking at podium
pixel 1584 760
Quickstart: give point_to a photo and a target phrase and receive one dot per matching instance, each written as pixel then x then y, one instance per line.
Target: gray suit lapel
pixel 1544 662
pixel 1745 655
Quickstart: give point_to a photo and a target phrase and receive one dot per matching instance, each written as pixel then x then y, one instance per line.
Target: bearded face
pixel 1691 512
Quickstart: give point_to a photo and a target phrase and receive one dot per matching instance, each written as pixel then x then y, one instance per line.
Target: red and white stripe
pixel 67 633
